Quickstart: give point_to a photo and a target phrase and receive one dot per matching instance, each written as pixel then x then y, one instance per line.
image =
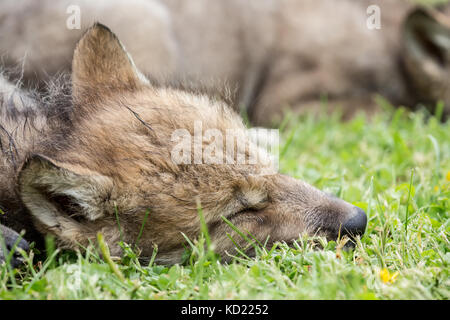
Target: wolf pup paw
pixel 10 238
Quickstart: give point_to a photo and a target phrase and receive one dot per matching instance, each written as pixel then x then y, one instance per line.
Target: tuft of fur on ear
pixel 101 63
pixel 61 197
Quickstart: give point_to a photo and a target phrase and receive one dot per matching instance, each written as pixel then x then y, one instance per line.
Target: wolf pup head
pixel 116 167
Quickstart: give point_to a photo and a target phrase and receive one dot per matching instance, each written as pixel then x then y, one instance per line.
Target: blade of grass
pixel 142 228
pixel 106 255
pixel 118 223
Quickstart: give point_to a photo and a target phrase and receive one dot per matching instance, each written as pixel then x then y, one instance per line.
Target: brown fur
pixel 277 55
pixel 107 151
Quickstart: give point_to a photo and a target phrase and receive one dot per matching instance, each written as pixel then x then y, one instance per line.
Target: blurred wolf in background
pixel 276 55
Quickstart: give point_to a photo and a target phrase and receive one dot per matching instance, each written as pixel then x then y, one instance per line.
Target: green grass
pixel 396 166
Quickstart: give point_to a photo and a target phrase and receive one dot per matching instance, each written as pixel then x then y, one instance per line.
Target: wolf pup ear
pixel 426 45
pixel 101 63
pixel 63 199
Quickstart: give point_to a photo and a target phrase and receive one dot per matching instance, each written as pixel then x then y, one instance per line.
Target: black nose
pixel 356 225
pixel 11 238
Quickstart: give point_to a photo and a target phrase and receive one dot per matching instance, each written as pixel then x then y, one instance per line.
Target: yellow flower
pixel 448 176
pixel 387 277
pixel 436 188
